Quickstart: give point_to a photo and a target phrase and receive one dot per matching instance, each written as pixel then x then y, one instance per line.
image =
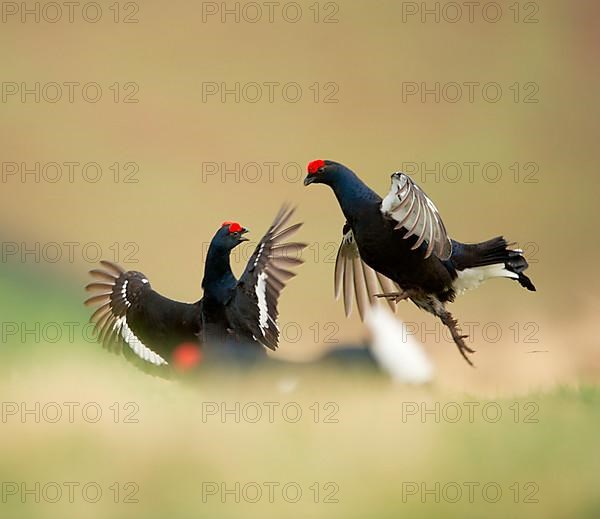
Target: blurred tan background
pixel 369 55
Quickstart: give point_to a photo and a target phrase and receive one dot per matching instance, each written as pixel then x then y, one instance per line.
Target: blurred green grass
pixel 375 447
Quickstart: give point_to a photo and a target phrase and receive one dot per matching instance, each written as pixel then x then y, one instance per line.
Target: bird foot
pixel 458 338
pixel 394 296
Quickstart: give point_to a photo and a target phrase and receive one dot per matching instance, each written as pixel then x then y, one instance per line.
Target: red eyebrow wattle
pixel 233 226
pixel 315 166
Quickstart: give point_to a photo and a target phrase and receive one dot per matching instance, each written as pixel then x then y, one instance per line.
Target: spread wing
pixel 355 278
pixel 138 322
pixel 413 210
pixel 252 310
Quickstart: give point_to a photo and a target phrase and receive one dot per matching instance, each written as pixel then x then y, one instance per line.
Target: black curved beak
pixel 309 180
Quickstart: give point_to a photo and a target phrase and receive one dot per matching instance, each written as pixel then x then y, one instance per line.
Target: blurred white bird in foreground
pixel 399 354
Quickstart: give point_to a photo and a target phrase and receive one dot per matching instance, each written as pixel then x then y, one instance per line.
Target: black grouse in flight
pixel 398 246
pixel 158 334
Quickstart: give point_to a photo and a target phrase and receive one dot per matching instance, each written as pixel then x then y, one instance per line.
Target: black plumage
pixel 397 247
pixel 157 333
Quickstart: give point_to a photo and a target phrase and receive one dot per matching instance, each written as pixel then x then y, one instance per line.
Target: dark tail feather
pixel 491 252
pixel 517 263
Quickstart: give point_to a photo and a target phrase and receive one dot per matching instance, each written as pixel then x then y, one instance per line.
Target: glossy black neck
pixel 218 277
pixel 352 193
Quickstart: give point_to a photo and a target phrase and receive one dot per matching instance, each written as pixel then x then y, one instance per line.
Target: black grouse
pixel 399 246
pixel 158 334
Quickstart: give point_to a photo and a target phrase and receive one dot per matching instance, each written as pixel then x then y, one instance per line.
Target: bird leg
pixel 458 338
pixel 394 296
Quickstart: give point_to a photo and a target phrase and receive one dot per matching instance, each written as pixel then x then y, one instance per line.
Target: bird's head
pixel 325 172
pixel 230 235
